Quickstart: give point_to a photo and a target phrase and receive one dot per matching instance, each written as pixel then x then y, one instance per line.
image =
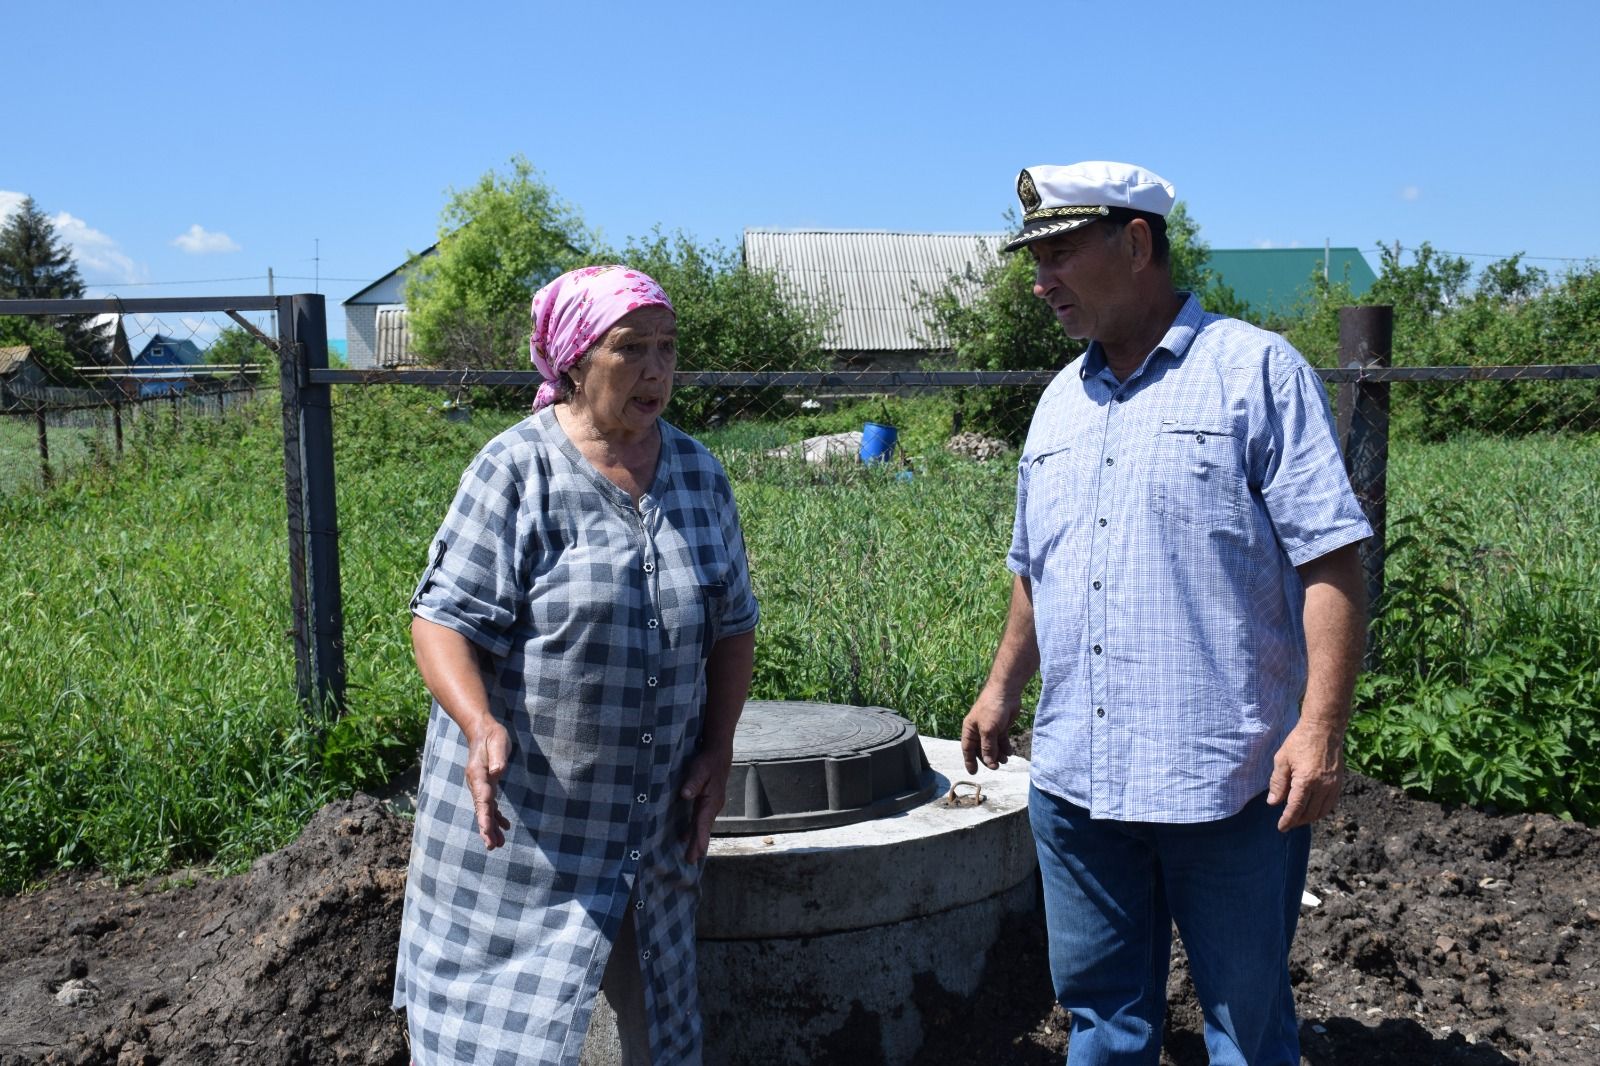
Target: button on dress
pixel 593 620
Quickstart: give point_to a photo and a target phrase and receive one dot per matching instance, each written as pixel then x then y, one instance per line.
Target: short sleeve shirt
pixel 593 620
pixel 1159 521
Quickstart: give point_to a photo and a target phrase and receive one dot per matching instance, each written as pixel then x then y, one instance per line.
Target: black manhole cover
pixel 800 766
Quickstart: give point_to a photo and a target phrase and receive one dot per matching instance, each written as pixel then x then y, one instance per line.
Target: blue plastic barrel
pixel 877 442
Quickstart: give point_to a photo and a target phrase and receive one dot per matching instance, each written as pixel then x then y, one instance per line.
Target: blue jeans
pixel 1112 891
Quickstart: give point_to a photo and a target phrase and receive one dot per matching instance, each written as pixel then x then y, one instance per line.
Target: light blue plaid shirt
pixel 1160 521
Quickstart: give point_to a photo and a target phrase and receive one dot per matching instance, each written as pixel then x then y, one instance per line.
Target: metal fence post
pixel 310 326
pixel 44 445
pixel 1366 339
pixel 291 374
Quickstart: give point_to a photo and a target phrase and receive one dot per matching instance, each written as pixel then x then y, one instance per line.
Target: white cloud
pixel 1266 243
pixel 201 330
pixel 95 252
pixel 201 241
pixel 9 202
pixel 1411 193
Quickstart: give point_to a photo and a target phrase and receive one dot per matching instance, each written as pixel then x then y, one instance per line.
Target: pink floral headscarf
pixel 575 310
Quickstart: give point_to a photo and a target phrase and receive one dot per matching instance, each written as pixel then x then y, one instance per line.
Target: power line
pixel 1491 255
pixel 210 281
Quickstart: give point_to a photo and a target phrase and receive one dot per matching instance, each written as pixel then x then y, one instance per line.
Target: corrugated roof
pixel 12 358
pixel 875 281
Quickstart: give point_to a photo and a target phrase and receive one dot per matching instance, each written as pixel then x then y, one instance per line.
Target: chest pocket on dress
pixel 1195 475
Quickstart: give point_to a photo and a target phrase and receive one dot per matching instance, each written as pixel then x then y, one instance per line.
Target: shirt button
pixel 1097 649
pixel 645 955
pixel 653 623
pixel 634 855
pixel 1199 438
pixel 1099 712
pixel 641 797
pixel 651 681
pixel 1102 521
pixel 1110 461
pixel 638 904
pixel 647 738
pixel 1097 584
pixel 649 568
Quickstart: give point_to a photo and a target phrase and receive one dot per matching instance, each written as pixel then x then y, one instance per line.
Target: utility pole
pixel 269 283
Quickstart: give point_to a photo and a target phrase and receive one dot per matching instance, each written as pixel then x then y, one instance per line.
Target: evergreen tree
pixel 36 265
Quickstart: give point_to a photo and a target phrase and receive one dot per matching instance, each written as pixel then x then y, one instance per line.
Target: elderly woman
pixel 586 627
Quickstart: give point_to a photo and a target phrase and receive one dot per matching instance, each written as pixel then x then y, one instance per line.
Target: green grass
pixel 19 451
pixel 148 717
pixel 1487 686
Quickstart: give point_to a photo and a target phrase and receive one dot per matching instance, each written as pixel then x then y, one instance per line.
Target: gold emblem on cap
pixel 1026 192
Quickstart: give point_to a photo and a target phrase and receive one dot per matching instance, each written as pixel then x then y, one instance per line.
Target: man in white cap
pixel 1188 585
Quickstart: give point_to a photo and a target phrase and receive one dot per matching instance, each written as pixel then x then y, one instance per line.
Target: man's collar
pixel 1191 316
pixel 1185 326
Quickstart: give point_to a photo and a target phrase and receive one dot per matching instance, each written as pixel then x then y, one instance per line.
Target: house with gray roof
pixel 877 283
pixel 375 320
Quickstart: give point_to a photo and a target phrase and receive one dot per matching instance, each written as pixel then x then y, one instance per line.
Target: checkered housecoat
pixel 593 621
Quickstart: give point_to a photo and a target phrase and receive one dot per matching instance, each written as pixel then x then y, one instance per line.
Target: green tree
pixel 36 265
pixel 729 318
pixel 49 346
pixel 1511 282
pixel 498 241
pixel 1190 262
pixel 235 347
pixel 1420 292
pixel 1313 328
pixel 1509 314
pixel 509 234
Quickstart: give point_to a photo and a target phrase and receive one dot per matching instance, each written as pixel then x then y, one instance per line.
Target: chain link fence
pixel 1485 479
pixel 86 403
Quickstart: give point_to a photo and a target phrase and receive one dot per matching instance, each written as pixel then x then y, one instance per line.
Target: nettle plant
pixel 1485 692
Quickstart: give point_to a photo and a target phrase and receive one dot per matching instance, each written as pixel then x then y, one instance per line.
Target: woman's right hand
pixel 450 668
pixel 488 749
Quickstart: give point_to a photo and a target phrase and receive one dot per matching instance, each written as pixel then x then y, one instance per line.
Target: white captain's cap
pixel 1059 199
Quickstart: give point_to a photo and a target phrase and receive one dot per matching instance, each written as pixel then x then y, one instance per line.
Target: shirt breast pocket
pixel 1056 489
pixel 1196 475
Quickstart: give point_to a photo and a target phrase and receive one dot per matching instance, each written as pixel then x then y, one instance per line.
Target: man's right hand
pixel 985 731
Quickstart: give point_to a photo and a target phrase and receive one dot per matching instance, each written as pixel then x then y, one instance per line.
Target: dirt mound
pixel 290 962
pixel 1441 936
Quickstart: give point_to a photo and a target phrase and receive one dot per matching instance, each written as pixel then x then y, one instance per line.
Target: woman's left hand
pixel 707 788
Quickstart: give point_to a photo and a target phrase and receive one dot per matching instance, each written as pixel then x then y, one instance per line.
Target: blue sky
pixel 177 143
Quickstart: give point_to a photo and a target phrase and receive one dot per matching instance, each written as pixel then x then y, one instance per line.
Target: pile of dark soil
pixel 289 962
pixel 1442 936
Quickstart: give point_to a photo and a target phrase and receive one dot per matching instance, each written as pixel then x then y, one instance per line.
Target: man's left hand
pixel 1308 772
pixel 706 787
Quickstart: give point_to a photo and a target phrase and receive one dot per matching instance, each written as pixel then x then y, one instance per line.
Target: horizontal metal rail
pixel 1533 372
pixel 890 379
pixel 153 305
pixel 728 379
